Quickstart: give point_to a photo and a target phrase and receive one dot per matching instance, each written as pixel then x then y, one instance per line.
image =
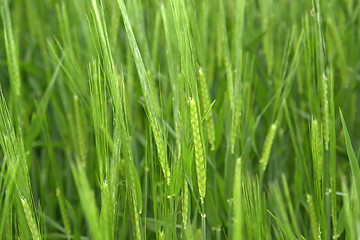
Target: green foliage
pixel 179 119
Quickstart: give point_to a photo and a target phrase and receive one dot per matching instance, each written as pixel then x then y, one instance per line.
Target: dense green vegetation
pixel 179 119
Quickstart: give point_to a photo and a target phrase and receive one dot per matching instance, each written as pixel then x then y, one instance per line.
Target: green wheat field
pixel 179 119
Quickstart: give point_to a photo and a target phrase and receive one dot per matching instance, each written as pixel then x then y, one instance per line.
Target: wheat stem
pixel 267 147
pixel 199 151
pixel 30 219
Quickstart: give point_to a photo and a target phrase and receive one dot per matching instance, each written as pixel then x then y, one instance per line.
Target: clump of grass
pixel 100 139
